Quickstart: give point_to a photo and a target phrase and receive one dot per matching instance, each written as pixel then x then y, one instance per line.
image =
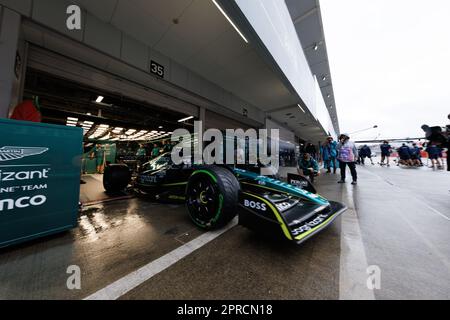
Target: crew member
pixel 433 155
pixel 415 155
pixel 307 166
pixel 141 154
pixel 155 150
pixel 28 110
pixel 386 150
pixel 365 152
pixel 99 154
pixel 405 155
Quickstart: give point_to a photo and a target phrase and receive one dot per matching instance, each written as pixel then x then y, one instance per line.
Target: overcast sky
pixel 390 64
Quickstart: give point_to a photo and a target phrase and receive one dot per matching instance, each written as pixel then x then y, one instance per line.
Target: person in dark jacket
pixel 386 150
pixel 415 155
pixel 404 155
pixel 307 166
pixel 447 131
pixel 365 152
pixel 311 149
pixel 433 155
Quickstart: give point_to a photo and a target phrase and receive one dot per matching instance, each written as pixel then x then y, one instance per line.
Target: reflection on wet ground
pixel 112 240
pixel 401 215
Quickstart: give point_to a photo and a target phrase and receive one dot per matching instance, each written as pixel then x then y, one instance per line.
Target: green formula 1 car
pixel 214 195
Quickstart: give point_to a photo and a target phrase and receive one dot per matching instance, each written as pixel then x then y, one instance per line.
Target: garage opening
pixel 116 128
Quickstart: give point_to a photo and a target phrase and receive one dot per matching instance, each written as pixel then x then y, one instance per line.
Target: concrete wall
pixel 9 77
pixel 107 39
pixel 273 23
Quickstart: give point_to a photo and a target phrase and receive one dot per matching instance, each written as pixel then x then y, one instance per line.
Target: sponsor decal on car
pixel 148 179
pixel 255 205
pixel 309 225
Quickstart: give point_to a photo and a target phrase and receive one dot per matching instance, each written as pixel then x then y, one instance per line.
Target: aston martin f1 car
pixel 215 194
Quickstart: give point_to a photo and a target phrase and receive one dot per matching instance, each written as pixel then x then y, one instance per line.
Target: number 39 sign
pixel 156 69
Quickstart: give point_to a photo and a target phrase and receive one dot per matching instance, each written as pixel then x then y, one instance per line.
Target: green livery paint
pixel 268 183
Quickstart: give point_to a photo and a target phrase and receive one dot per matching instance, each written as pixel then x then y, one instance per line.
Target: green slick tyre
pixel 212 196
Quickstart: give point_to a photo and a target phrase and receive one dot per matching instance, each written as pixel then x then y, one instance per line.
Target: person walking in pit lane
pixel 346 154
pixel 307 166
pixel 386 151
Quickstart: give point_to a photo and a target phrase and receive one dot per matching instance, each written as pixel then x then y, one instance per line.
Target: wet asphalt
pixel 403 216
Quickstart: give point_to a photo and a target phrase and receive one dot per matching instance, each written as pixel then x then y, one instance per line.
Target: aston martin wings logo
pixel 15 153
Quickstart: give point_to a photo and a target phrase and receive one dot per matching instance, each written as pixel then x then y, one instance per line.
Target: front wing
pixel 278 218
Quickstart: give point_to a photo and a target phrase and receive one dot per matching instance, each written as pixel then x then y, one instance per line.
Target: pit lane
pixel 390 224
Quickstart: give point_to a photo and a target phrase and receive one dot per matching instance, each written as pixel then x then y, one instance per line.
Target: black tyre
pixel 116 177
pixel 212 196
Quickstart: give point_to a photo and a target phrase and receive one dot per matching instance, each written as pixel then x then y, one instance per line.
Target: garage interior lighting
pixel 186 119
pixel 130 132
pixel 301 108
pixel 99 99
pixel 229 20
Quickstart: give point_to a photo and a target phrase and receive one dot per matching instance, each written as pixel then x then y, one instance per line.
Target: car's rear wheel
pixel 212 196
pixel 116 177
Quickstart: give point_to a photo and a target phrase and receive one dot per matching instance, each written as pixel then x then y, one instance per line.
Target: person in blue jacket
pixel 405 155
pixel 415 155
pixel 329 154
pixel 307 166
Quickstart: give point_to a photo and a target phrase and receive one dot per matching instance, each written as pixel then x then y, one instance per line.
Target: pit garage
pixel 127 92
pixel 116 128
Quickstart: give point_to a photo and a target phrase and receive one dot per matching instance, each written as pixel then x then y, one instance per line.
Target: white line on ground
pixel 432 209
pixel 413 196
pixel 120 287
pixel 353 262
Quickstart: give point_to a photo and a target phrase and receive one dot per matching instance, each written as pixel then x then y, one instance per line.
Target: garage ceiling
pixel 195 34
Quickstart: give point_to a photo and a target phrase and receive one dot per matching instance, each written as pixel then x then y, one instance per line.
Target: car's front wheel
pixel 212 196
